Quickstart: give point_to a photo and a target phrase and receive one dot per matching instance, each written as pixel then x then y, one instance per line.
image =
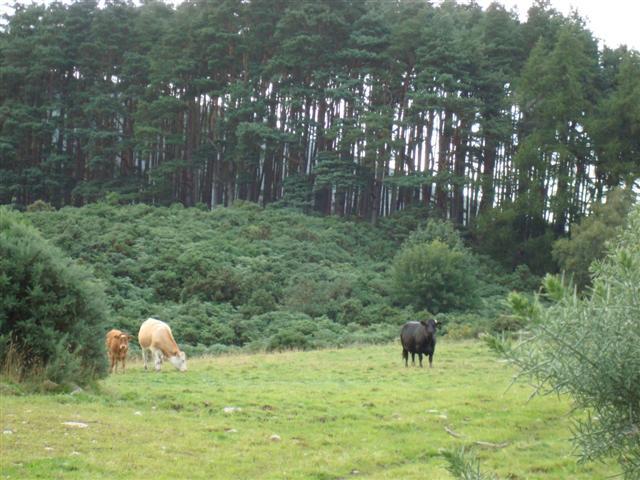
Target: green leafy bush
pixel 435 277
pixel 436 229
pixel 51 311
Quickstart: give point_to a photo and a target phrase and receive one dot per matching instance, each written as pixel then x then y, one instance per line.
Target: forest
pixel 350 108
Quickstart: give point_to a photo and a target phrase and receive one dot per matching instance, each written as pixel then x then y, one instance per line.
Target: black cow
pixel 420 338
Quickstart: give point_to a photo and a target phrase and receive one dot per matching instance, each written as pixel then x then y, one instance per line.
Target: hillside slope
pixel 219 276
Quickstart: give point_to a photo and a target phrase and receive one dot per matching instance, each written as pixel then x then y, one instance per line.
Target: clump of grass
pixel 18 366
pixel 464 465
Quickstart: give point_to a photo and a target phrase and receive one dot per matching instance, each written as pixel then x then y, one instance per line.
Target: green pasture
pixel 348 413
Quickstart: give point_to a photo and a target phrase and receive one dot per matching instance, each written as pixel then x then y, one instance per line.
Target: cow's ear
pixel 423 323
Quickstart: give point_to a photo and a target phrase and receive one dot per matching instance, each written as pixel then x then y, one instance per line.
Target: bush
pixel 40 206
pixel 590 349
pixel 432 276
pixel 436 230
pixel 50 309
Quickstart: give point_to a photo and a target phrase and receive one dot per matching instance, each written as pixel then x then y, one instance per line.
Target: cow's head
pixel 430 324
pixel 123 342
pixel 179 361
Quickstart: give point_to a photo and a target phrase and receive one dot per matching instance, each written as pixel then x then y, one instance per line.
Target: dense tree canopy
pixel 345 107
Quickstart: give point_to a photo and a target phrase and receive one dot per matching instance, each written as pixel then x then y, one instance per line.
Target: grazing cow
pixel 420 338
pixel 156 338
pixel 117 348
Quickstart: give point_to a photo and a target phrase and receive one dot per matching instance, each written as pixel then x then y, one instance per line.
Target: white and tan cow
pixel 156 338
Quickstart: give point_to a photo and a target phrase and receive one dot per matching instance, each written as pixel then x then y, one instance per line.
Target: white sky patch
pixel 615 22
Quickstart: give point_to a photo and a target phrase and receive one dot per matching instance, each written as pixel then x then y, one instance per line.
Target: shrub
pixel 50 308
pixel 432 276
pixel 436 229
pixel 40 206
pixel 590 349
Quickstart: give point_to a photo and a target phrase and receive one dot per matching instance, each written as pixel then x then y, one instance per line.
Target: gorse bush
pixel 215 276
pixel 51 311
pixel 210 274
pixel 590 349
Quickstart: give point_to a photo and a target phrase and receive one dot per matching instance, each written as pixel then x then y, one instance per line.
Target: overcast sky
pixel 613 21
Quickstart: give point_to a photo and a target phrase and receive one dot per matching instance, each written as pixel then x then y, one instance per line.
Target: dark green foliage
pixel 212 274
pixel 589 237
pixel 352 108
pixel 514 237
pixel 250 277
pixel 51 311
pixel 433 276
pixel 589 349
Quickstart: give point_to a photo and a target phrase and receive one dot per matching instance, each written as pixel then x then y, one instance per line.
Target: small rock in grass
pixel 230 430
pixel 7 432
pixel 275 438
pixel 231 409
pixel 74 453
pixel 138 413
pixel 48 449
pixel 75 424
pixel 355 472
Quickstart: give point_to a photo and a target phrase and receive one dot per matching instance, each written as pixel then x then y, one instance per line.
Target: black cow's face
pixel 430 325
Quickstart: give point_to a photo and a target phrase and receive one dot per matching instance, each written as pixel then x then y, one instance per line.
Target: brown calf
pixel 117 347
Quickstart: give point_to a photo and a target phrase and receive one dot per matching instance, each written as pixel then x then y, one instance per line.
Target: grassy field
pixel 351 413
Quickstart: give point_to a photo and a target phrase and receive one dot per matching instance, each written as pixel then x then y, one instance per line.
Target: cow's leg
pixel 420 357
pixel 157 354
pixel 431 360
pixel 413 358
pixel 112 360
pixel 144 357
pixel 123 359
pixel 405 355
